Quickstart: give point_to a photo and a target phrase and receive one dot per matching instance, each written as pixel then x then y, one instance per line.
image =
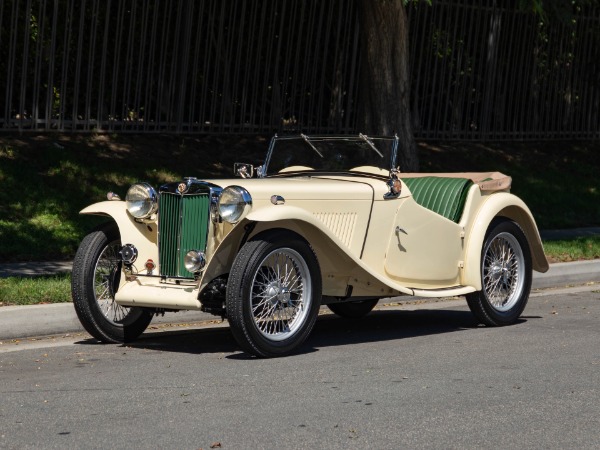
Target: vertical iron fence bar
pixel 113 114
pixel 307 56
pixel 246 82
pixel 78 64
pixel 530 67
pixel 587 93
pixel 432 71
pixel 206 63
pixel 216 73
pixel 196 117
pixel 351 113
pixel 456 79
pixel 579 68
pixel 469 85
pixel 312 75
pixel 11 62
pixel 594 104
pixel 517 80
pixel 163 103
pixel 50 83
pixel 37 71
pixel 266 79
pixel 89 117
pixel 237 113
pixel 141 68
pixel 25 55
pixel 289 88
pixel 129 118
pixel 3 118
pixel 176 53
pixel 64 81
pixel 418 20
pixel 440 85
pixel 179 68
pixel 498 106
pixel 102 123
pixel 325 57
pixel 151 70
pixel 447 113
pixel 554 82
pixel 478 107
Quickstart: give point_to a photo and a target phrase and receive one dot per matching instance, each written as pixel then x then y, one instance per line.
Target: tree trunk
pixel 385 84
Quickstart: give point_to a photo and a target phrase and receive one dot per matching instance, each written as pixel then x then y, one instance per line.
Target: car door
pixel 425 248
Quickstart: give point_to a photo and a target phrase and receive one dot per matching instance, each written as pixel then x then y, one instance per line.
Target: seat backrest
pixel 442 195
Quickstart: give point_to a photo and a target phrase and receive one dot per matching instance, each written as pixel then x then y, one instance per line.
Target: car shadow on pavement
pixel 330 331
pixel 379 326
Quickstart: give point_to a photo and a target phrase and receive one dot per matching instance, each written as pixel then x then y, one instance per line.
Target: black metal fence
pixel 479 70
pixel 487 70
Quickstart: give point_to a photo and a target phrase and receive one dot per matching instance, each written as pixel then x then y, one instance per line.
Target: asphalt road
pixel 423 378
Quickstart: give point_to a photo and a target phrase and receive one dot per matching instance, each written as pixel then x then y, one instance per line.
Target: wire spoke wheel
pixel 273 293
pixel 281 294
pixel 95 280
pixel 503 271
pixel 506 273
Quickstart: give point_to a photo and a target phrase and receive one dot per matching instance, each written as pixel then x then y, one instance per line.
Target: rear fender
pixel 513 208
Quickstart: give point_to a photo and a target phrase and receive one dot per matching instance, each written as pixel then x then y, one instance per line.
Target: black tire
pixel 273 293
pixel 95 279
pixel 506 273
pixel 353 310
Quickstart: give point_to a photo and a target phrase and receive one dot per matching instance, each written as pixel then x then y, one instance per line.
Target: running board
pixel 443 292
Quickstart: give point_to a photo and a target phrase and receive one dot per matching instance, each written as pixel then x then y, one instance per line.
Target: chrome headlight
pixel 142 200
pixel 234 203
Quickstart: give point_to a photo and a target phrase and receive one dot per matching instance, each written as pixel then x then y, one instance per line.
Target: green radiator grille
pixel 182 226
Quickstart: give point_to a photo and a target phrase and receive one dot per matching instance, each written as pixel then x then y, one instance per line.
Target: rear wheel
pixel 353 310
pixel 506 274
pixel 273 293
pixel 95 280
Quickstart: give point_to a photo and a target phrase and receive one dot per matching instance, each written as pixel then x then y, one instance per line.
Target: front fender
pixel 336 260
pixel 507 205
pixel 144 234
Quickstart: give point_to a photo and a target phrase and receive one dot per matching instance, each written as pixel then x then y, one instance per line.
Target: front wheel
pixel 506 274
pixel 273 293
pixel 353 310
pixel 94 282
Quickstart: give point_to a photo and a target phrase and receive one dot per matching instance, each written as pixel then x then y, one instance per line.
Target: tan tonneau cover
pixel 487 181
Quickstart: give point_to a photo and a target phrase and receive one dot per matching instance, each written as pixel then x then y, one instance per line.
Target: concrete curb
pixel 18 322
pixel 563 274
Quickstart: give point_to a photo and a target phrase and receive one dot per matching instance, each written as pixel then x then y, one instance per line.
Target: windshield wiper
pixel 306 139
pixel 368 141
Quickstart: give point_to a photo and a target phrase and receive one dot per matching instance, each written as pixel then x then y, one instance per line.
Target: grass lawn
pixel 34 290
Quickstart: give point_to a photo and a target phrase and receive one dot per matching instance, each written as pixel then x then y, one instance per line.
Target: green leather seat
pixel 445 196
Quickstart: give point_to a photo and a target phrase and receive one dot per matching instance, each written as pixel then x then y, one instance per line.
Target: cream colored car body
pixel 366 245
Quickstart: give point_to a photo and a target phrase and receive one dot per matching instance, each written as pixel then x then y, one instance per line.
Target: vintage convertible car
pixel 324 221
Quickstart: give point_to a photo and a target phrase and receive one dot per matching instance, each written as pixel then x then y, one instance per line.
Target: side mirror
pixel 243 170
